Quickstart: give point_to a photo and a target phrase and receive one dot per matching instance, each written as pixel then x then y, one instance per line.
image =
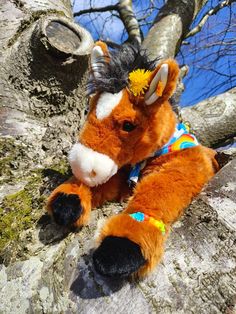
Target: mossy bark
pixel 42 96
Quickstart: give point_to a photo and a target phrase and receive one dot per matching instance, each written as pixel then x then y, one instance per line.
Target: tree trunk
pixel 43 70
pixel 43 66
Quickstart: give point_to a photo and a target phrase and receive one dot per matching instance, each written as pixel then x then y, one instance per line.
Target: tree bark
pixel 195 276
pixel 43 65
pixel 43 61
pixel 171 24
pixel 214 119
pixel 130 22
pixel 44 57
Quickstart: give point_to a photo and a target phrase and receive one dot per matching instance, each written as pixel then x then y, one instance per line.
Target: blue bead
pixel 138 216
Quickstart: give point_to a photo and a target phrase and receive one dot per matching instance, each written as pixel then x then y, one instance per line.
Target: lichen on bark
pixel 11 155
pixel 20 211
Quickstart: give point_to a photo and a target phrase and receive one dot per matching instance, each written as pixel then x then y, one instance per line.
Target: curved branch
pixel 211 12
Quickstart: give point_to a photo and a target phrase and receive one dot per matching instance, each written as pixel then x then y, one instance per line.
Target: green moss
pixel 62 167
pixel 14 216
pixel 7 155
pixel 11 155
pixel 5 143
pixel 19 211
pixel 5 166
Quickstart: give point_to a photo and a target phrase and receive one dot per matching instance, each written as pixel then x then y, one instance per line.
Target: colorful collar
pixel 140 217
pixel 181 139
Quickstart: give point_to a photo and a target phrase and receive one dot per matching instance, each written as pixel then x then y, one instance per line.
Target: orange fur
pixel 168 183
pixel 151 133
pixel 156 124
pixel 114 189
pixel 172 79
pixel 148 237
pixel 72 186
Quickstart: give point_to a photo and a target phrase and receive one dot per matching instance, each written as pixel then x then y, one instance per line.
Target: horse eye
pixel 128 126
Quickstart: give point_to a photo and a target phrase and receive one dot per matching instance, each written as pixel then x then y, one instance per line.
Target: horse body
pixel 125 127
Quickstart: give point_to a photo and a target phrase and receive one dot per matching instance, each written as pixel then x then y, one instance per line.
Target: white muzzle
pixel 89 166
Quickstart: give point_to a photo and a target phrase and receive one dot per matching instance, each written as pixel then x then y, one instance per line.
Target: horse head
pixel 129 114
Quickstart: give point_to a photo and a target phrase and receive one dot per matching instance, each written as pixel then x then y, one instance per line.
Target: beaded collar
pixel 140 217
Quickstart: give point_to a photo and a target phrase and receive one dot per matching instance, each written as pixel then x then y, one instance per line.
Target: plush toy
pixel 131 144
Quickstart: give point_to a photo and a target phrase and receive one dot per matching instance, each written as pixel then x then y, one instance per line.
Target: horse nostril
pixel 93 173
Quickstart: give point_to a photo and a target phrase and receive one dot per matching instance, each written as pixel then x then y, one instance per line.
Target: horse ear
pixel 99 54
pixel 163 82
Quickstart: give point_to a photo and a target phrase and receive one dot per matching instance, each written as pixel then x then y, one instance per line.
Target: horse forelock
pixel 113 75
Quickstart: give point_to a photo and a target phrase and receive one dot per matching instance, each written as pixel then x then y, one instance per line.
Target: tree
pixel 210 40
pixel 43 66
pixel 163 41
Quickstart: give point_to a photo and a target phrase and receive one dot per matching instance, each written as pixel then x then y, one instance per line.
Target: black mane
pixel 114 74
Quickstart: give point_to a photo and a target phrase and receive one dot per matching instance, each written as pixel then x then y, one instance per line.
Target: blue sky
pixel 212 64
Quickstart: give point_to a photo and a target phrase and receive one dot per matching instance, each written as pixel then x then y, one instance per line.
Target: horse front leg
pixel 71 202
pixel 132 242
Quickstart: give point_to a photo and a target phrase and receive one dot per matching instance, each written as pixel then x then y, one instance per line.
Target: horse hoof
pixel 66 209
pixel 117 257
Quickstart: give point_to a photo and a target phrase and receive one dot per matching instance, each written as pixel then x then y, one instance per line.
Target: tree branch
pixel 170 25
pixel 162 38
pixel 126 14
pixel 213 119
pixel 130 22
pixel 101 9
pixel 211 12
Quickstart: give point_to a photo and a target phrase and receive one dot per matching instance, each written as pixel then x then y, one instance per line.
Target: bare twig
pixel 100 9
pixel 126 14
pixel 211 12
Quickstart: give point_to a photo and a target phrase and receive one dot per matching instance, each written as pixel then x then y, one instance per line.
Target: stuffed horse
pixel 131 145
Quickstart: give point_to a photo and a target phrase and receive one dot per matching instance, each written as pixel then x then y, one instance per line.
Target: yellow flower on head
pixel 139 81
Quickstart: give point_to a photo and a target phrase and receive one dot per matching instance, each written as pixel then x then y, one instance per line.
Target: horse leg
pixel 130 246
pixel 71 202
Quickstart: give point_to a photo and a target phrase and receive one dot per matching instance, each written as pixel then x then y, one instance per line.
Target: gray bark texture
pixel 170 27
pixel 214 119
pixel 43 65
pixel 131 24
pixel 197 274
pixel 47 269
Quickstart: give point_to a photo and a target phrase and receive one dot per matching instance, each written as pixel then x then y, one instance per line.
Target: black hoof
pixel 66 209
pixel 117 257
